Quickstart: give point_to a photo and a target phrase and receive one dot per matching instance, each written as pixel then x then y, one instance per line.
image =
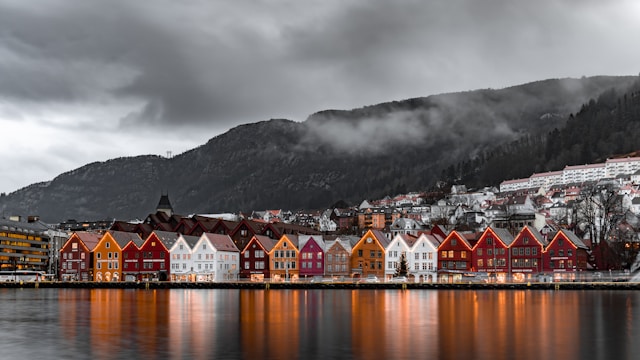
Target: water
pixel 318 324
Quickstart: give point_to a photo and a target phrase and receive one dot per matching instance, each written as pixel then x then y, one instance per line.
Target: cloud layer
pixel 167 75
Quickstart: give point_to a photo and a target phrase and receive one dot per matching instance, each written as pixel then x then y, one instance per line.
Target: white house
pixel 398 246
pixel 423 258
pixel 181 261
pixel 216 258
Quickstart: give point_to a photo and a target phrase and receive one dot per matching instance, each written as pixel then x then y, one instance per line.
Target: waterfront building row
pixel 431 256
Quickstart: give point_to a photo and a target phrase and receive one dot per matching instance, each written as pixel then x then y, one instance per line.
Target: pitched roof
pixel 190 240
pixel 266 242
pixel 168 238
pixel 122 238
pixel 504 235
pixel 221 242
pixel 574 239
pixel 89 239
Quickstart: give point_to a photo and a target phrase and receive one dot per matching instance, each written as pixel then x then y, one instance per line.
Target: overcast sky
pixel 85 81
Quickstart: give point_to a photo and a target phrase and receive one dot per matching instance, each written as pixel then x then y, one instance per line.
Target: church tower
pixel 164 205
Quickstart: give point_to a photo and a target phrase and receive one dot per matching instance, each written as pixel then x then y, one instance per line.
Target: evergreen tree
pixel 403 267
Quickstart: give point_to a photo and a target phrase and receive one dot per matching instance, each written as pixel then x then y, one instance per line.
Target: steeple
pixel 164 205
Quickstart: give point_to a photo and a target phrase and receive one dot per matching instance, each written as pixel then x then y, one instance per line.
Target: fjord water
pixel 318 324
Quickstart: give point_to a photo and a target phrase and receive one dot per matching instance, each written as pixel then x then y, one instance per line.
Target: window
pixel 454 242
pixel 534 251
pixel 417 256
pixel 99 255
pixel 522 251
pixel 514 251
pixel 360 253
pixel 525 240
pixel 204 246
pixel 246 265
pixel 479 251
pixel 107 245
pixel 246 254
pixel 480 263
pixel 443 254
pixel 372 253
pixel 329 257
pixel 569 252
pixel 489 241
pixel 463 254
pixel 450 253
pixel 527 251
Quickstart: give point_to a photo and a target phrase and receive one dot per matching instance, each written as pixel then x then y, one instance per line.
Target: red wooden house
pixel 131 260
pixel 244 231
pixel 154 258
pixel 311 255
pixel 526 254
pixel 76 256
pixel 254 259
pixel 454 257
pixel 565 256
pixel 491 253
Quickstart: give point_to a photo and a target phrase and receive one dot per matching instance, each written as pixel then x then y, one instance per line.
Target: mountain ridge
pixel 333 155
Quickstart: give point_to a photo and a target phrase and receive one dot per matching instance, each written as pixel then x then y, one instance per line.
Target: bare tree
pixel 598 210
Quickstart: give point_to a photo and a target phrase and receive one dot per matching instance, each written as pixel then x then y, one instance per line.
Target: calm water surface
pixel 318 324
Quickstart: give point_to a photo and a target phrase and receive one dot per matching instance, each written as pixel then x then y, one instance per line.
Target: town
pixel 578 224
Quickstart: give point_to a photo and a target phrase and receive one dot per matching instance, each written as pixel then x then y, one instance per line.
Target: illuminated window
pixel 480 263
pixel 450 254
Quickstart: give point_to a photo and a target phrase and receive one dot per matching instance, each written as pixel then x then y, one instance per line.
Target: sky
pixel 86 81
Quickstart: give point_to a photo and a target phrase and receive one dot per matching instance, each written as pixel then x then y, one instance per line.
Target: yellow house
pixel 368 254
pixel 283 264
pixel 107 255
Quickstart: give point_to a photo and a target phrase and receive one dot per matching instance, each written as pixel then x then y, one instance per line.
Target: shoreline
pixel 154 285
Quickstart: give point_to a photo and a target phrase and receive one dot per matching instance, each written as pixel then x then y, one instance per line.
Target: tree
pixel 598 211
pixel 403 267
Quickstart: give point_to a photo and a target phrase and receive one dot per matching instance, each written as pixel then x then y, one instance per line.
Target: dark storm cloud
pixel 124 65
pixel 223 62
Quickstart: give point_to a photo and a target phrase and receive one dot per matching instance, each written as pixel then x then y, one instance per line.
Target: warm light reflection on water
pixel 318 324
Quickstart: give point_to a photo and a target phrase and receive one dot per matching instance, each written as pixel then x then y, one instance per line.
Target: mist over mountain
pixel 349 155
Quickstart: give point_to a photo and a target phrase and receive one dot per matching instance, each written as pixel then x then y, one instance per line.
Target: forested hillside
pixel 604 127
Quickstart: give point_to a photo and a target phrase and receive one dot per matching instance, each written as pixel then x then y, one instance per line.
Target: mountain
pixel 334 155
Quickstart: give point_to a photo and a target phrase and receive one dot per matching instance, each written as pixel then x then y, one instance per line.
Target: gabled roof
pixel 123 238
pixel 266 242
pixel 504 235
pixel 381 237
pixel 168 238
pixel 190 240
pixel 434 240
pixel 221 242
pixel 460 236
pixel 535 233
pixel 89 239
pixel 292 238
pixel 569 235
pixel 304 239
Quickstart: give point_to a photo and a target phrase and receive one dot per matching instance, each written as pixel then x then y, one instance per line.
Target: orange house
pixel 368 254
pixel 283 264
pixel 107 255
